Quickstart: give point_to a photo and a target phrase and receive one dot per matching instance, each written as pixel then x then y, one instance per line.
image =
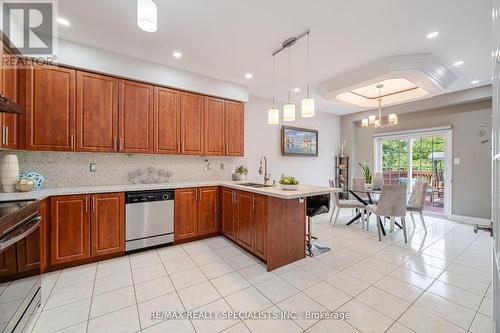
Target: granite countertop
pixel 275 191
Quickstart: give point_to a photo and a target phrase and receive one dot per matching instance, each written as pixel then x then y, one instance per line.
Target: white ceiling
pixel 227 38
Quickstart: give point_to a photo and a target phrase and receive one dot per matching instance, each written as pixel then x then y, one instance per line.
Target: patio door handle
pixel 484 227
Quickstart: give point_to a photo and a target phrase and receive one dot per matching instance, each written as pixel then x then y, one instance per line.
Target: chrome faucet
pixel 267 176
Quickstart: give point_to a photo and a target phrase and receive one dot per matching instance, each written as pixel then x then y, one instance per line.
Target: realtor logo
pixel 30 26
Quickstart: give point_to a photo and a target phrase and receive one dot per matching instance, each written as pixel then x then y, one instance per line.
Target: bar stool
pixel 319 204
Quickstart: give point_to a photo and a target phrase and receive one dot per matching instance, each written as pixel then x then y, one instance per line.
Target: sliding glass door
pixel 407 158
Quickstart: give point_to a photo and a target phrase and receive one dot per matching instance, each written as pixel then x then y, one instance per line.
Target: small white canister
pixel 9 172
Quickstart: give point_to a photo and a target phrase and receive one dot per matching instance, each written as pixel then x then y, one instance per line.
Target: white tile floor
pixel 438 282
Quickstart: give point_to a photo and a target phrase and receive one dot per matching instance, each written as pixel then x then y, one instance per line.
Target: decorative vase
pixel 9 172
pixel 239 177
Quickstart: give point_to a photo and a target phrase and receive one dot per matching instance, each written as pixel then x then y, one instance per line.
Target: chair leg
pixel 413 219
pixel 391 222
pixel 336 217
pixel 333 212
pixel 403 223
pixel 368 215
pixel 379 231
pixel 423 221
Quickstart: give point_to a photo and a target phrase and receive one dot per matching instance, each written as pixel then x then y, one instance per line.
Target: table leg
pixel 381 225
pixel 358 216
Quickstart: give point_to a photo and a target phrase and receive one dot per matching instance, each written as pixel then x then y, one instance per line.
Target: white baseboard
pixel 469 219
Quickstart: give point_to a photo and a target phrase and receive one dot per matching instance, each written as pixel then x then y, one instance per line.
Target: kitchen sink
pixel 255 185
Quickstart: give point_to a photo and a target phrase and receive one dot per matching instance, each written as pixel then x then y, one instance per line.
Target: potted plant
pixel 289 183
pixel 240 173
pixel 367 173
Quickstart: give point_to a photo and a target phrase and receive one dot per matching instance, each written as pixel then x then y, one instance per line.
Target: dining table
pixel 365 196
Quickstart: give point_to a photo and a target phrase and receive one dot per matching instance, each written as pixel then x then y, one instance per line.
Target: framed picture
pixel 296 141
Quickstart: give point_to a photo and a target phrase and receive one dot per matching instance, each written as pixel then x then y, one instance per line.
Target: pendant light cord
pixel 308 70
pixel 274 82
pixel 289 74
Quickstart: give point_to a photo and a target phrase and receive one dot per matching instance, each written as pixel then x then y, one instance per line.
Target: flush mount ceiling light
pixel 458 63
pixel 63 21
pixel 405 78
pixel 432 35
pixel 248 75
pixel 147 15
pixel 177 55
pixel 474 82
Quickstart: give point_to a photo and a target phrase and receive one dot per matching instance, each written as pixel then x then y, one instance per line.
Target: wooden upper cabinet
pixel 50 108
pixel 214 127
pixel 96 113
pixel 259 222
pixel 69 228
pixel 108 224
pixel 208 202
pixel 243 217
pixel 167 121
pixel 234 128
pixel 136 117
pixel 191 124
pixel 10 122
pixel 227 211
pixel 186 213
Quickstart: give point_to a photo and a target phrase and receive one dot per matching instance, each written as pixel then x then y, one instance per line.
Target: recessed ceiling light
pixel 177 55
pixel 433 34
pixel 63 21
pixel 474 82
pixel 248 75
pixel 458 63
pixel 296 89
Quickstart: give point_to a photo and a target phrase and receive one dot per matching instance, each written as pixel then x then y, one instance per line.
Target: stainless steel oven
pixel 20 275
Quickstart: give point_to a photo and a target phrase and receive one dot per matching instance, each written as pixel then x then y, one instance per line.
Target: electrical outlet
pixel 456 161
pixel 222 166
pixel 92 167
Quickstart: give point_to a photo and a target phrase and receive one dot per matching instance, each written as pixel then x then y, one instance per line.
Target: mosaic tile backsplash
pixel 73 169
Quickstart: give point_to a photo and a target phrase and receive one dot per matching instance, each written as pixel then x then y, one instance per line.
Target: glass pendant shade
pixel 289 112
pixel 393 119
pixel 371 119
pixel 364 123
pixel 308 107
pixel 273 116
pixel 147 15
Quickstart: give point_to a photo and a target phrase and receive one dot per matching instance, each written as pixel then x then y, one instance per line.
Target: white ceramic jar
pixel 9 172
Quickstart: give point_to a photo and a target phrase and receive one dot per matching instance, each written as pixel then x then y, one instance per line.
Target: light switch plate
pixel 222 166
pixel 456 161
pixel 92 167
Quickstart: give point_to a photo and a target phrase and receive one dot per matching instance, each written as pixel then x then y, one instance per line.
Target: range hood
pixel 8 106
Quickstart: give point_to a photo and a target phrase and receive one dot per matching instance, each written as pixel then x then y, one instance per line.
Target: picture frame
pixel 297 141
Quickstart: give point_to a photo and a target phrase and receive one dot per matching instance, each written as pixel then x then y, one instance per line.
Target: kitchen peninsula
pixel 266 221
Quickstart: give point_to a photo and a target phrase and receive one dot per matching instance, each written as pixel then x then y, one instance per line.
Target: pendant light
pixel 289 108
pixel 308 102
pixel 273 115
pixel 147 15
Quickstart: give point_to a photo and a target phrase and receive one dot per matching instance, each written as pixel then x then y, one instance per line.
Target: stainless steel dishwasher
pixel 149 219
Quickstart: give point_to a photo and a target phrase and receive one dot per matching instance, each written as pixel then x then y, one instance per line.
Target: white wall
pixel 263 139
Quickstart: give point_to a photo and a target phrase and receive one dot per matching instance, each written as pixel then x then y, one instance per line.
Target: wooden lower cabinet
pixel 69 228
pixel 44 234
pixel 196 212
pixel 86 226
pixel 227 210
pixel 108 224
pixel 244 220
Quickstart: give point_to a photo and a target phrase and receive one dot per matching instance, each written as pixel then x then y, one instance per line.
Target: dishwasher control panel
pixel 148 196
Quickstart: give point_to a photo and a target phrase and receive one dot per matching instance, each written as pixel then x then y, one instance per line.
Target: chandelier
pixel 307 105
pixel 375 122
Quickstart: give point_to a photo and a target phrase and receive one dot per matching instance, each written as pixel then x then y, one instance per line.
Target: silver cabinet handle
pixel 3 135
pixel 253 202
pixel 86 204
pixel 93 203
pixel 6 135
pixel 72 141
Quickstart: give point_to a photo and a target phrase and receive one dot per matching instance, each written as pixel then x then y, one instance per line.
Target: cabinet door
pixel 192 124
pixel 8 263
pixel 9 89
pixel 167 121
pixel 108 224
pixel 50 108
pixel 234 128
pixel 227 219
pixel 214 127
pixel 96 113
pixel 136 117
pixel 186 213
pixel 69 228
pixel 44 235
pixel 208 201
pixel 243 217
pixel 259 222
pixel 28 252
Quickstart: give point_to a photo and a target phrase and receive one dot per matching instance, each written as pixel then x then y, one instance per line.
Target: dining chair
pixel 392 204
pixel 338 204
pixel 417 201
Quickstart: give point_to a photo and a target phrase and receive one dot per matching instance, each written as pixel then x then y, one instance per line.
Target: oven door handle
pixel 23 232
